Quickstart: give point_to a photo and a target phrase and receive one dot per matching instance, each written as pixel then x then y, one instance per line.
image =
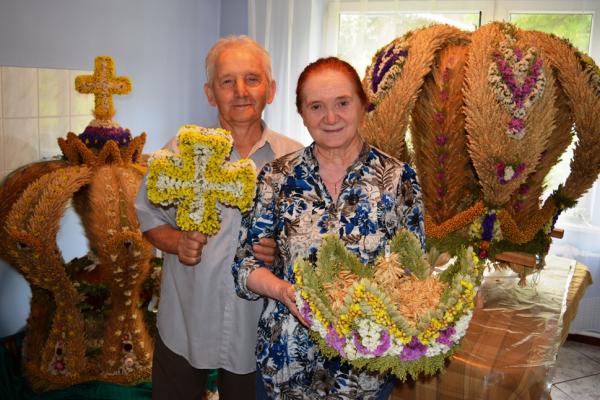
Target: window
pixel 375 30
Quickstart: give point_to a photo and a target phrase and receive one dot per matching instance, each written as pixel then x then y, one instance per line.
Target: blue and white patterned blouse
pixel 379 194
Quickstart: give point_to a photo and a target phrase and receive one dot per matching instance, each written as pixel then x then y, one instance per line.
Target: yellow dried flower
pixel 199 177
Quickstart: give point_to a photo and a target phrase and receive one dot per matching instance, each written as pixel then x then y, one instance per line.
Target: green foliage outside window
pixel 574 27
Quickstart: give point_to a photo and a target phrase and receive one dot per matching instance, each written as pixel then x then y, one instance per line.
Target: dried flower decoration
pixel 384 70
pixel 199 176
pixel 396 316
pixel 103 84
pixel 518 82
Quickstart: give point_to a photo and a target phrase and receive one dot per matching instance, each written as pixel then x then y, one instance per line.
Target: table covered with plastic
pixel 510 348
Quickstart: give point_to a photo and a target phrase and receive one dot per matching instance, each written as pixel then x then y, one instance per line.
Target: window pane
pixel 361 35
pixel 576 28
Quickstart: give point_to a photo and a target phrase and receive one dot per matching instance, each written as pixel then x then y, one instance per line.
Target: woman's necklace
pixel 335 183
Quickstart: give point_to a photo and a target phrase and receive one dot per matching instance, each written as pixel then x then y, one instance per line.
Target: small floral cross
pixel 103 84
pixel 199 177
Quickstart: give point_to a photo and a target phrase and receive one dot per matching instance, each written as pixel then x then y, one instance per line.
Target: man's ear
pixel 272 90
pixel 210 95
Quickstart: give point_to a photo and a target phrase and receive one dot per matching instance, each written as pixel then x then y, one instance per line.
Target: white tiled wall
pixel 37 106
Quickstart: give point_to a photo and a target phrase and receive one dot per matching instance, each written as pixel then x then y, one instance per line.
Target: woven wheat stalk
pixel 395 103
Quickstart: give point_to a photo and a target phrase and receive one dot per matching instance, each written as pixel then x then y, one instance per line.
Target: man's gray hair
pixel 241 42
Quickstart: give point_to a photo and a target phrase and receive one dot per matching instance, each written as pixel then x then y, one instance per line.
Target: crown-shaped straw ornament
pixel 490 113
pixel 87 321
pixel 198 177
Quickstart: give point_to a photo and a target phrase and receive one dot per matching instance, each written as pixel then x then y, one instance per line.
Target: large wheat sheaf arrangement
pixel 489 113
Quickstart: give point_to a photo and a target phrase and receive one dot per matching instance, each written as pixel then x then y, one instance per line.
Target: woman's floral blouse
pixel 379 194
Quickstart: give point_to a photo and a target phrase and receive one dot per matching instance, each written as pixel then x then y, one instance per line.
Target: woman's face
pixel 331 109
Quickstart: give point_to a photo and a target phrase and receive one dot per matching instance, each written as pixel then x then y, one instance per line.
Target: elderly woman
pixel 337 185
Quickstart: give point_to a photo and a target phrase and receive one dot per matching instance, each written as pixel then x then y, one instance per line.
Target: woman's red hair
pixel 329 64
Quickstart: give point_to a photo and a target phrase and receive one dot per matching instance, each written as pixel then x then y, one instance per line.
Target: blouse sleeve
pixel 256 224
pixel 410 204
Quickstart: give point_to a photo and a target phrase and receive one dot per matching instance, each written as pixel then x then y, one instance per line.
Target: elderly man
pixel 202 324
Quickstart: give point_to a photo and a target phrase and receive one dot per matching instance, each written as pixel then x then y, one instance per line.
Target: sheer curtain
pixel 292 32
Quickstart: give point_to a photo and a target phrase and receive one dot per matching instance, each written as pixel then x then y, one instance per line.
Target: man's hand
pixel 189 247
pixel 265 250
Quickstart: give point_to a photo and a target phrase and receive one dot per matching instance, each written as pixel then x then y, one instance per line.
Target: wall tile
pixel 1 109
pixel 77 124
pixel 20 92
pixel 81 104
pixel 53 87
pixel 2 146
pixel 21 142
pixel 51 129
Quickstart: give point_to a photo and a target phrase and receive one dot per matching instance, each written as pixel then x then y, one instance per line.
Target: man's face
pixel 240 89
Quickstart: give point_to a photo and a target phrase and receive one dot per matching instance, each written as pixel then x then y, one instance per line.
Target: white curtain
pixel 292 32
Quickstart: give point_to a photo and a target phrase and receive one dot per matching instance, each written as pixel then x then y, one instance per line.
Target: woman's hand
pixel 287 295
pixel 263 282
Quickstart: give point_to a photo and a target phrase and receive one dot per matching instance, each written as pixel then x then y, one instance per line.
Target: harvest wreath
pixel 394 316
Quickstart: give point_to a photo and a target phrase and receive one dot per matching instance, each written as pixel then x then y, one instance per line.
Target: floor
pixel 577 373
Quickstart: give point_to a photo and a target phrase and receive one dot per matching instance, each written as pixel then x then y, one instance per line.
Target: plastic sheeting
pixel 510 348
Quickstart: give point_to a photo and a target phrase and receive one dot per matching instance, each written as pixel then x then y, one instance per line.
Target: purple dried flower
pixel 96 137
pixel 446 336
pixel 446 74
pixel 442 158
pixel 413 350
pixel 441 140
pixel 500 169
pixel 306 313
pixel 439 117
pixel 516 124
pixel 518 54
pixel 524 188
pixel 380 71
pixel 384 343
pixel 444 94
pixel 487 231
pixel 334 340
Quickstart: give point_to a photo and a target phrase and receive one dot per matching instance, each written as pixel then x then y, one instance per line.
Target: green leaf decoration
pixel 408 248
